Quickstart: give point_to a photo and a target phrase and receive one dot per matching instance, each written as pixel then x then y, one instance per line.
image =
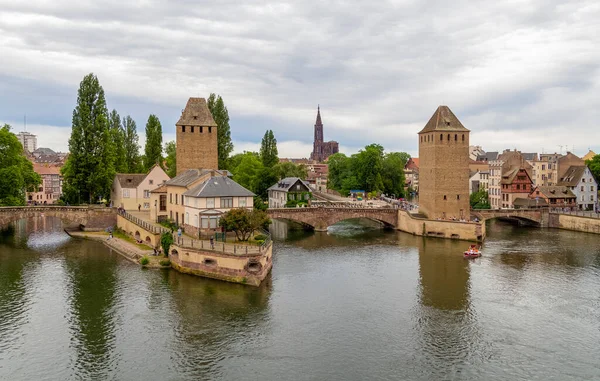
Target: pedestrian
pixel 212 242
pixel 139 207
pixel 179 232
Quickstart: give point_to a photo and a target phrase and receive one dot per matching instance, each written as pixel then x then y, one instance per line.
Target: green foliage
pixel 260 237
pixel 268 150
pixel 244 222
pixel 132 146
pixel 248 169
pixel 16 172
pixel 118 139
pixel 165 263
pixel 90 168
pixel 259 204
pixel 144 261
pixel 166 240
pixel 266 178
pixel 594 166
pixel 289 169
pixel 171 159
pixel 479 200
pixel 169 224
pixel 370 169
pixel 221 116
pixel 153 147
pixel 295 203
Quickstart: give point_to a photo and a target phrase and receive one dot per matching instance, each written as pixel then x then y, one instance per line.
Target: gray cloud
pixel 516 73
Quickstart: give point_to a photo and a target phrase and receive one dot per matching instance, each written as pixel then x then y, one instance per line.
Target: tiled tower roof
pixel 196 113
pixel 443 119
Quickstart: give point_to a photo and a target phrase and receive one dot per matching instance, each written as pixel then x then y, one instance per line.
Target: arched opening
pixel 174 252
pixel 137 236
pixel 253 266
pixel 148 240
pixel 209 262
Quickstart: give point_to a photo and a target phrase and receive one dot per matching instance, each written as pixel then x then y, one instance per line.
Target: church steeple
pixel 318 122
pixel 318 126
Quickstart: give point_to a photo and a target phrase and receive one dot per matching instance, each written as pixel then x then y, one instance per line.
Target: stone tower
pixel 444 167
pixel 196 137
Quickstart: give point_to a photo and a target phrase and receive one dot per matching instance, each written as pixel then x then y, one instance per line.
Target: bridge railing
pixel 336 207
pixel 144 224
pixel 580 213
pixel 223 247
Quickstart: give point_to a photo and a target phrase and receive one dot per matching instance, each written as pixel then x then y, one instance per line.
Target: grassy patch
pixel 144 261
pixel 118 233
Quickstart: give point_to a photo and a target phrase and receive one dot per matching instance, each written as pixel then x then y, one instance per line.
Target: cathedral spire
pixel 318 122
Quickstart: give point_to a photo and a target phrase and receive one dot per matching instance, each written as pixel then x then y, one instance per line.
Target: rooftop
pixel 130 180
pixel 219 186
pixel 287 183
pixel 443 120
pixel 196 113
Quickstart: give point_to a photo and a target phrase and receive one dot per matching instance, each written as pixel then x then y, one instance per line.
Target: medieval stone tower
pixel 444 167
pixel 196 133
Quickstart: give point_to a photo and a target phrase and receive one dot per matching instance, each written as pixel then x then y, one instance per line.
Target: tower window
pixel 463 137
pixel 455 137
pixel 192 129
pixel 444 197
pixel 458 197
pixel 200 129
pixel 448 137
pixel 182 128
pixel 441 137
pixel 209 130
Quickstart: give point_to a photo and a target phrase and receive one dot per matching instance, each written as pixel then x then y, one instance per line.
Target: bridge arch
pixel 322 217
pixel 83 216
pixel 530 217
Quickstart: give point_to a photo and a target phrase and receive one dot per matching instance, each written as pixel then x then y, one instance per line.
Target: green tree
pixel 89 170
pixel 118 139
pixel 171 159
pixel 153 148
pixel 367 164
pixel 479 200
pixel 243 222
pixel 289 169
pixel 339 168
pixel 132 146
pixel 268 150
pixel 594 166
pixel 265 178
pixel 393 173
pixel 221 116
pixel 16 172
pixel 248 170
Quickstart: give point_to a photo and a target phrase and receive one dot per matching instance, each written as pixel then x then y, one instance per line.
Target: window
pixel 591 198
pixel 176 198
pixel 463 137
pixel 591 188
pixel 582 198
pixel 192 129
pixel 455 137
pixel 204 221
pixel 187 218
pixel 543 167
pixel 458 197
pixel 146 205
pixel 209 130
pixel 182 128
pixel 583 180
pixel 125 193
pixel 582 188
pixel 151 182
pixel 196 220
pixel 210 202
pixel 201 129
pixel 448 137
pixel 163 202
pixel 214 221
pixel 170 198
pixel 241 201
pixel 146 194
pixel 441 137
pixel 226 202
pixel 444 197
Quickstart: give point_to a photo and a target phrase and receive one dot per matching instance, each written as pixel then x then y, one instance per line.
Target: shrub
pixel 144 261
pixel 260 237
pixel 166 240
pixel 165 263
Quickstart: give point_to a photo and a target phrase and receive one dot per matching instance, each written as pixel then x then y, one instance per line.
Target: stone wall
pixel 89 218
pixel 577 223
pixel 470 231
pixel 132 228
pixel 197 149
pixel 321 218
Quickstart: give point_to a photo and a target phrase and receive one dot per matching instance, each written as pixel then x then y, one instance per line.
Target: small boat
pixel 472 252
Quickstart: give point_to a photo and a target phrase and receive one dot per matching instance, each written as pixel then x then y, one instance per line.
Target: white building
pixel 28 140
pixel 479 180
pixel 288 189
pixel 579 179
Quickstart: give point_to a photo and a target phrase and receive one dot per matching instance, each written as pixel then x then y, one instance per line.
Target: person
pixel 139 207
pixel 179 232
pixel 212 242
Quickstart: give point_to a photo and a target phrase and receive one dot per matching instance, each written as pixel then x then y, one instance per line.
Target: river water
pixel 356 303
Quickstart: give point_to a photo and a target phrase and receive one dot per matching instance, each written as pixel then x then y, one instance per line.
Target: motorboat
pixel 472 252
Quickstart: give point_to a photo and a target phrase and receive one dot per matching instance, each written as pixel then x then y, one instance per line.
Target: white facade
pixel 205 212
pixel 586 191
pixel 28 140
pixel 478 181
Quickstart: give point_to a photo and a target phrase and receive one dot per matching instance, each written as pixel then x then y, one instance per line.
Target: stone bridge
pixel 88 217
pixel 322 217
pixel 537 217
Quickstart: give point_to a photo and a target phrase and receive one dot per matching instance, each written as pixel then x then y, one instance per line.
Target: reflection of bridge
pixel 321 217
pixel 537 217
pixel 90 217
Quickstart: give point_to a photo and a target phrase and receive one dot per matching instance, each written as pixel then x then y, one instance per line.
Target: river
pixel 356 303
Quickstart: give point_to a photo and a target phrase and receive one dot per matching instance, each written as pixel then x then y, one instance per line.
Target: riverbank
pixel 131 252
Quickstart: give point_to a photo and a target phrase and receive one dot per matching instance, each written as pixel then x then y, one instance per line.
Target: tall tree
pixel 153 148
pixel 289 169
pixel 88 172
pixel 171 159
pixel 132 146
pixel 393 173
pixel 268 150
pixel 594 166
pixel 248 170
pixel 118 139
pixel 16 172
pixel 221 116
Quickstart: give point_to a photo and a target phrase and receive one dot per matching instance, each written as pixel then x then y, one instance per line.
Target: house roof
pixel 509 176
pixel 529 202
pixel 187 177
pixel 488 156
pixel 43 151
pixel 555 191
pixel 219 186
pixel 572 176
pixel 46 169
pixel 130 180
pixel 287 183
pixel 160 189
pixel 532 156
pixel 196 113
pixel 443 120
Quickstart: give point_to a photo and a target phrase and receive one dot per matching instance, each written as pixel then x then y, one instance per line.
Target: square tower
pixel 196 137
pixel 444 167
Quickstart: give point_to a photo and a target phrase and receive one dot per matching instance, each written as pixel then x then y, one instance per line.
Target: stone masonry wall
pixel 197 149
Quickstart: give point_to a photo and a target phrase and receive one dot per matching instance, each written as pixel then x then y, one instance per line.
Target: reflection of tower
pixel 444 274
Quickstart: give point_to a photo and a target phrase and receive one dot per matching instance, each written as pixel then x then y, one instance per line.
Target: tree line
pixel 369 170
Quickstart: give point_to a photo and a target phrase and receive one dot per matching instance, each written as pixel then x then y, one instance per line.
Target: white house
pixel 290 188
pixel 579 179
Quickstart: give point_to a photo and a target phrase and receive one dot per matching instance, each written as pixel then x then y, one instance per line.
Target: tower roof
pixel 318 122
pixel 196 113
pixel 443 119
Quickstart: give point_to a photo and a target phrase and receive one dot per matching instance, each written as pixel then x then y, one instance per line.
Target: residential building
pixel 566 161
pixel 487 156
pixel 317 176
pixel 554 196
pixel 516 183
pixel 476 166
pixel 444 167
pixel 579 179
pixel 196 137
pixel 50 190
pixel 290 188
pixel 206 202
pixel 321 149
pixel 131 191
pixel 479 180
pixel 411 174
pixel 475 152
pixel 545 169
pixel 28 140
pixel 504 164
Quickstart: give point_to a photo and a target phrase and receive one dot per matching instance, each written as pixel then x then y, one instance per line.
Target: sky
pixel 518 74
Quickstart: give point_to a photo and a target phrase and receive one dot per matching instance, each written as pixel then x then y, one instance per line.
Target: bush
pixel 144 261
pixel 166 240
pixel 260 237
pixel 165 263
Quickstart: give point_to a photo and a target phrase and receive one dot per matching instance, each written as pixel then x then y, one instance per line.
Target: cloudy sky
pixel 518 74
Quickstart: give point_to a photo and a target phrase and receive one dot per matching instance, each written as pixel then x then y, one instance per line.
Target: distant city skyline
pixel 527 80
